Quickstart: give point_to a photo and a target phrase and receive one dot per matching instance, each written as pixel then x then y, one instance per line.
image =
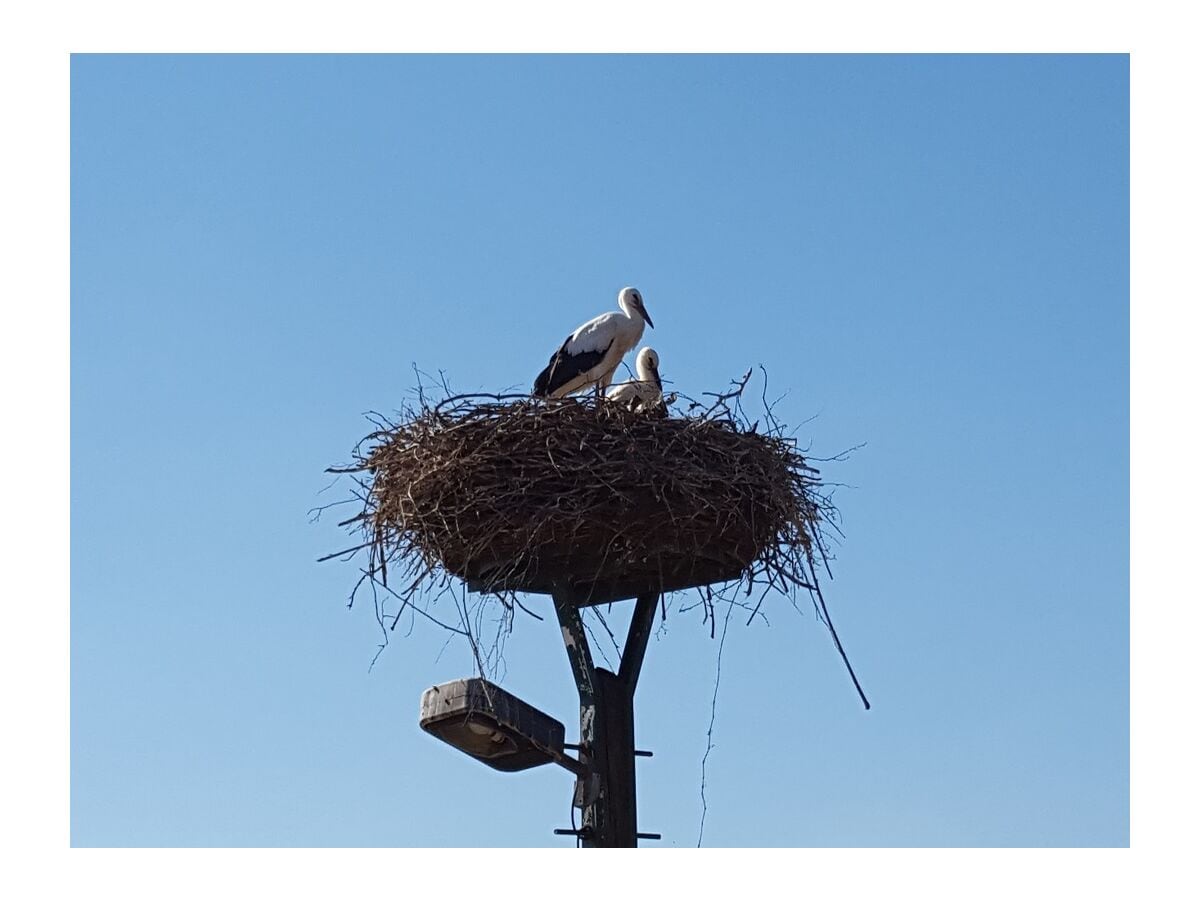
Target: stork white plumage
pixel 647 391
pixel 594 350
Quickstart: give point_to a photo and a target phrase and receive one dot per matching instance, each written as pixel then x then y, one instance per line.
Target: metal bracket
pixel 584 833
pixel 635 752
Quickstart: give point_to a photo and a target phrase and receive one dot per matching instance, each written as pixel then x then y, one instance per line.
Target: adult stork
pixel 592 352
pixel 647 391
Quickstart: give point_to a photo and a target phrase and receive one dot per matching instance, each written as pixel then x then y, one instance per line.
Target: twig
pixel 711 722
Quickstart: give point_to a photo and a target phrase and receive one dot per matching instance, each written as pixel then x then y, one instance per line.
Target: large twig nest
pixel 588 497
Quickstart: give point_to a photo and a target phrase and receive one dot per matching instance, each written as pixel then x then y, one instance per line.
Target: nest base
pixel 594 592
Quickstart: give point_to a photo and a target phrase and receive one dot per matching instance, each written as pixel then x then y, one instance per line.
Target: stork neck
pixel 636 326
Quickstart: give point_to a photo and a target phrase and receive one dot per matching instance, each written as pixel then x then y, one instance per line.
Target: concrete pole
pixel 606 735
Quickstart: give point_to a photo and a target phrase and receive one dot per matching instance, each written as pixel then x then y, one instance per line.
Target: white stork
pixel 591 354
pixel 647 391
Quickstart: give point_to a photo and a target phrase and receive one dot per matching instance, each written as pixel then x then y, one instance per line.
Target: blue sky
pixel 928 254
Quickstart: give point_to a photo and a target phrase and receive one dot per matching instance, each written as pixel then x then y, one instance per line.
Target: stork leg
pixel 602 385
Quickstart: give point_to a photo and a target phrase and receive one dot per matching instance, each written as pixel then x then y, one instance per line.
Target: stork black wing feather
pixel 564 366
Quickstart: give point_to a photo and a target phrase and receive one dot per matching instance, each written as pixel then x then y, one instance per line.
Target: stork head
pixel 630 300
pixel 647 366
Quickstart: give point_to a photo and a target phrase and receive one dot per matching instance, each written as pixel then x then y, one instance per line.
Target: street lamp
pixel 490 724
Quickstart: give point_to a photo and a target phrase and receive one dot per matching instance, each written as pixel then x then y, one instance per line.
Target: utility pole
pixel 608 794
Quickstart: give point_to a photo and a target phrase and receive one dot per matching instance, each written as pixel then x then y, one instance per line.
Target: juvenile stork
pixel 592 352
pixel 647 391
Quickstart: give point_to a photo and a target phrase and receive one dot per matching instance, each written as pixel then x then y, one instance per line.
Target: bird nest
pixel 586 499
